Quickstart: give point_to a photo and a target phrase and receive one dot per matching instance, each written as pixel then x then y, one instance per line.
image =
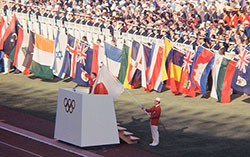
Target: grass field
pixel 189 126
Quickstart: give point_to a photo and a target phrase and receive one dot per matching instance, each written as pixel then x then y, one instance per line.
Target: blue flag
pixel 241 79
pixel 1 60
pixel 85 63
pixel 200 69
pixel 113 58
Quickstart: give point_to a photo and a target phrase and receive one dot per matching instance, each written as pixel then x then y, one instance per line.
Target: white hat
pixel 144 5
pixel 88 6
pixel 221 21
pixel 245 22
pixel 158 99
pixel 56 6
pixel 69 9
pixel 49 7
pixel 88 12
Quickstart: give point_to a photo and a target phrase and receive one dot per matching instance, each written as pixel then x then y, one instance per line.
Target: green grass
pixel 189 126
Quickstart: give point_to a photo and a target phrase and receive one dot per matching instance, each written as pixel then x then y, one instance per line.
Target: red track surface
pixel 15 145
pixel 12 144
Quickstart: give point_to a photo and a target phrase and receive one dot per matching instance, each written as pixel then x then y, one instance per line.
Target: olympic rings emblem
pixel 69 105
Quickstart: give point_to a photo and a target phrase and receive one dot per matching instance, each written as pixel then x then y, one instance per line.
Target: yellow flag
pixel 126 83
pixel 167 47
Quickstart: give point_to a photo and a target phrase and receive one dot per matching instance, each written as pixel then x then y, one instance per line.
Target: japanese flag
pixel 107 84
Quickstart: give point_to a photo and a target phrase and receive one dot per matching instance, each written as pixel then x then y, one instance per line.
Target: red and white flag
pixel 21 46
pixel 3 27
pixel 106 84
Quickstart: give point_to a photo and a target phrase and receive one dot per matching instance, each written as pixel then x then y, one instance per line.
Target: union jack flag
pixel 77 52
pixel 81 57
pixel 188 60
pixel 243 60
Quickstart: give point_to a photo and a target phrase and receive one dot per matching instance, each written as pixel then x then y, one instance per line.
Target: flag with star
pixel 241 79
pixel 75 52
pixel 9 39
pixel 78 55
pixel 60 62
pixel 3 26
pixel 21 47
pixel 84 59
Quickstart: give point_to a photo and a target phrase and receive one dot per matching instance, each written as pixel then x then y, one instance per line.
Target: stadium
pixel 189 59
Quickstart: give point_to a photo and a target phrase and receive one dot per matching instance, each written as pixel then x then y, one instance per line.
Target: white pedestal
pixel 84 119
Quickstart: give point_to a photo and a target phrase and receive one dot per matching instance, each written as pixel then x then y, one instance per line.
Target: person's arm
pixel 148 110
pixel 145 109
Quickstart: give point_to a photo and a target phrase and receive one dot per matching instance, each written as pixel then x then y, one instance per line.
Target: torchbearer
pixel 155 113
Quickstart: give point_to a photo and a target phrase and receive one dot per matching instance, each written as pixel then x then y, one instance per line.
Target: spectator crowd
pixel 220 25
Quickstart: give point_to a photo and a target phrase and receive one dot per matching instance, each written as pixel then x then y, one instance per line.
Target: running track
pixel 25 135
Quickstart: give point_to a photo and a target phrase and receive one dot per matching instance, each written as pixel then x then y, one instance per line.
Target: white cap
pixel 69 9
pixel 158 99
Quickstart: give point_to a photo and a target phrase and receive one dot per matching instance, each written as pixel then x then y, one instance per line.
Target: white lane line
pixel 45 140
pixel 18 148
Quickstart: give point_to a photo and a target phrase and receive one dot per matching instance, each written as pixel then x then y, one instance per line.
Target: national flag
pixel 215 72
pixel 185 86
pixel 1 55
pixel 113 59
pixel 224 80
pixel 135 66
pixel 241 79
pixel 84 59
pixel 106 84
pixel 167 48
pixel 95 65
pixel 243 60
pixel 173 65
pixel 60 61
pixel 21 47
pixel 3 27
pixel 9 39
pixel 29 53
pixel 43 57
pixel 247 47
pixel 145 65
pixel 247 31
pixel 76 52
pixel 1 61
pixel 72 51
pixel 154 80
pixel 124 69
pixel 202 65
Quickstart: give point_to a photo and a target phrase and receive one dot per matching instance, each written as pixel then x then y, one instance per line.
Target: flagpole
pixel 136 101
pixel 126 91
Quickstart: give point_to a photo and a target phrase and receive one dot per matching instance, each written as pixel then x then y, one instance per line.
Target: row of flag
pixel 150 66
